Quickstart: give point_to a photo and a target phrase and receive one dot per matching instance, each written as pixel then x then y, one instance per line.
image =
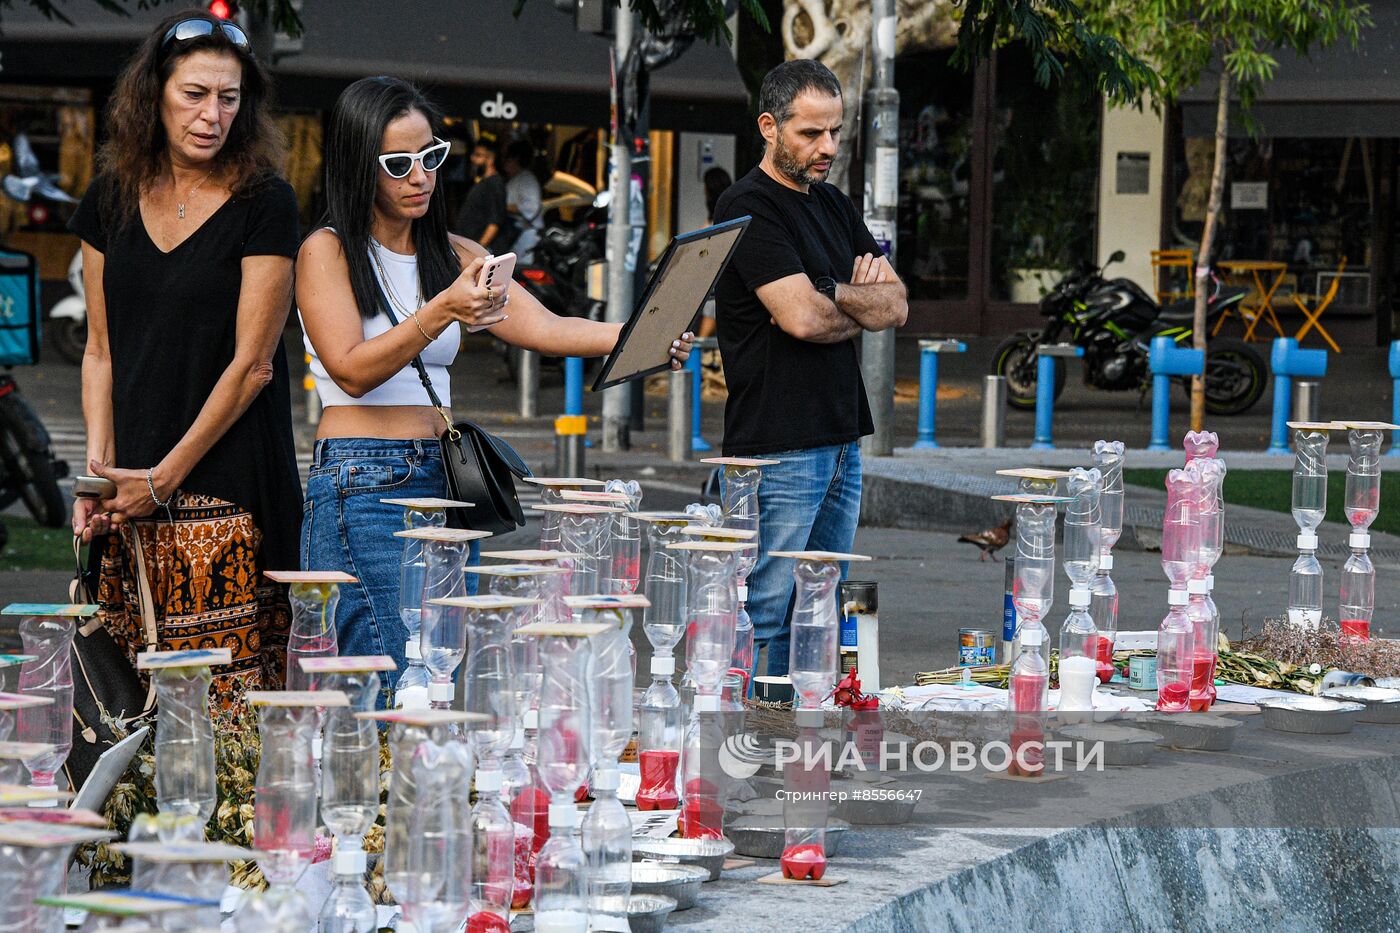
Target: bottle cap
pixel 706 703
pixel 810 718
pixel 1033 637
pixel 605 777
pixel 413 650
pixel 411 698
pixel 743 593
pixel 1078 598
pixel 488 782
pixel 442 693
pixel 563 815
pixel 1307 541
pixel 43 804
pixel 1106 561
pixel 1360 539
pixel 1176 597
pixel 1210 581
pixel 349 862
pixel 531 718
pixel 1197 587
pixel 663 665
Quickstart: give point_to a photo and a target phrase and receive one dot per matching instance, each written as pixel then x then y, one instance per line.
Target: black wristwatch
pixel 827 286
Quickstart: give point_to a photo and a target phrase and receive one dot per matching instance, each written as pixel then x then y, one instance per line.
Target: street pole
pixel 617 401
pixel 881 201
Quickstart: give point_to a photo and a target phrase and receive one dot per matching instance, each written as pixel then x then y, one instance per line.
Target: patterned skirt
pixel 207 591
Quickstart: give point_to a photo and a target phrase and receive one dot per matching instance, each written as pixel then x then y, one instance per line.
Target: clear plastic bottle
pixel 665 587
pixel 1210 513
pixel 1305 585
pixel 806 806
pixel 1083 540
pixel 1103 609
pixel 443 634
pixel 607 845
pixel 1181 527
pixel 739 493
pixel 350 801
pixel 493 862
pixel 1108 460
pixel 439 864
pixel 275 910
pixel 1363 489
pixel 1026 702
pixel 712 609
pixel 284 812
pixel 815 627
pixel 1175 655
pixel 561 876
pixel 1358 592
pixel 1309 478
pixel 488 677
pixel 184 778
pixel 411 686
pixel 586 530
pixel 659 739
pixel 312 634
pixel 48 639
pixel 1200 445
pixel 702 780
pixel 408 731
pixel 1034 588
pixel 1079 645
pixel 626 543
pixel 1204 629
pixel 32 871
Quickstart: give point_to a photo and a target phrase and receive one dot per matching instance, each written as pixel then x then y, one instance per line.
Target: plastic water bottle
pixel 607 845
pixel 312 633
pixel 1200 445
pixel 493 859
pixel 184 779
pixel 50 674
pixel 1305 585
pixel 626 543
pixel 1035 561
pixel 561 876
pixel 1083 539
pixel 1107 458
pixel 1103 609
pixel 1026 700
pixel 1175 655
pixel 1309 478
pixel 1205 624
pixel 350 802
pixel 1363 489
pixel 1181 527
pixel 663 621
pixel 1079 645
pixel 1358 596
pixel 659 739
pixel 411 687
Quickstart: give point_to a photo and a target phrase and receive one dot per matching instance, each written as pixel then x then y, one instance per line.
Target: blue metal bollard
pixel 1289 361
pixel 573 385
pixel 1166 360
pixel 697 386
pixel 1045 392
pixel 928 387
pixel 1395 398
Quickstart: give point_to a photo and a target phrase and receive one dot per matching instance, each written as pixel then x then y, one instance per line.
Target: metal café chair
pixel 1322 302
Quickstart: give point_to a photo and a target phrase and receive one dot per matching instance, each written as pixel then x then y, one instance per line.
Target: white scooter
pixel 68 319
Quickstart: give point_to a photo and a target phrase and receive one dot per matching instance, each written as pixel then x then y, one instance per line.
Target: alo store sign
pixel 499 109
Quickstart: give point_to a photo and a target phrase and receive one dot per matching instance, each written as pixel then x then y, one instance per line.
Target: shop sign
pixel 1249 196
pixel 499 109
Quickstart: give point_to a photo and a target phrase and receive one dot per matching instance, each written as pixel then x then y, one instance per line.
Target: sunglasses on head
pixel 198 28
pixel 399 164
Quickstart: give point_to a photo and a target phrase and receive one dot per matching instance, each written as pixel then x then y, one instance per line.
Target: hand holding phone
pixel 496 273
pixel 93 487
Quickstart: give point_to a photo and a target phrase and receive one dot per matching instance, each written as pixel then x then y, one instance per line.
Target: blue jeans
pixel 346 527
pixel 810 501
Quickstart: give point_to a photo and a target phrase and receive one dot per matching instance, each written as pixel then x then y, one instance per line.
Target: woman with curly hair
pixel 188 239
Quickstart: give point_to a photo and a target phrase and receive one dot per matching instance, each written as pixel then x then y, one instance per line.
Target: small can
pixel 1008 613
pixel 1346 679
pixel 858 597
pixel 1142 672
pixel 977 647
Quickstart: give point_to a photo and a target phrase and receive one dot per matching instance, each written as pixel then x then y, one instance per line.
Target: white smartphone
pixel 496 272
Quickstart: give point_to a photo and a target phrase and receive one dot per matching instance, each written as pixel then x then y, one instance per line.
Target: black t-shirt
pixel 786 393
pixel 171 325
pixel 485 205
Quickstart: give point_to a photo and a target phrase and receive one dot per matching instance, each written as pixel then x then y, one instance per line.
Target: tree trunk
pixel 1217 192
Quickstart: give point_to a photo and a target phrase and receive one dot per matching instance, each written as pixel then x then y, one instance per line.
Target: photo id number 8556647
pixel 887 793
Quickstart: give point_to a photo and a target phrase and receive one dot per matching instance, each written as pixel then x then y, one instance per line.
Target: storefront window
pixel 936 167
pixel 1045 179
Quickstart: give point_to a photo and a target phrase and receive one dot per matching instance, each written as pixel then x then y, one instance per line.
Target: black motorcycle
pixel 1115 321
pixel 28 469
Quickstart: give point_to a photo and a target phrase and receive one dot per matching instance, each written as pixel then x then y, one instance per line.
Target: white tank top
pixel 404 387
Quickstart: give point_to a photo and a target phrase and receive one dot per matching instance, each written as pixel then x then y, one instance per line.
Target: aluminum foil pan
pixel 763 836
pixel 647 913
pixel 1382 704
pixel 709 854
pixel 681 882
pixel 1122 745
pixel 1195 731
pixel 1309 715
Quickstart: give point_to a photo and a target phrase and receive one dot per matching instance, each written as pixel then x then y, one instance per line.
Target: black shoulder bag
pixel 480 467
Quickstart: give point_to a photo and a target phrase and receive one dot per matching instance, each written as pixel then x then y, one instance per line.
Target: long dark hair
pixel 358 121
pixel 135 151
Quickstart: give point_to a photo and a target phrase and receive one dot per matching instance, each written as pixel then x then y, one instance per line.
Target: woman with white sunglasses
pixel 381 282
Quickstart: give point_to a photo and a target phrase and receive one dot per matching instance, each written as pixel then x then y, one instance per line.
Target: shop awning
pixel 1340 91
pixel 469 56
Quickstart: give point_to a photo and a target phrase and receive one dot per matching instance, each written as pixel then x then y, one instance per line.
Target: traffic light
pixel 223 9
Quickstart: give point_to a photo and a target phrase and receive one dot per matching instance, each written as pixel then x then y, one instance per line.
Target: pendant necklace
pixel 181 206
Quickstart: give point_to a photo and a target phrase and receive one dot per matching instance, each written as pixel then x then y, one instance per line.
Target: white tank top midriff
pixel 404 387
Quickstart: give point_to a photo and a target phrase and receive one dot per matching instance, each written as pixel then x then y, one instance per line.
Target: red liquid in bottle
pixel 803 862
pixel 1202 682
pixel 1173 697
pixel 1027 747
pixel 531 808
pixel 1356 629
pixel 701 817
pixel 1104 657
pixel 483 921
pixel 658 790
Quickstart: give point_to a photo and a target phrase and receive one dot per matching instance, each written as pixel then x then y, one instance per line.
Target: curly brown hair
pixel 135 152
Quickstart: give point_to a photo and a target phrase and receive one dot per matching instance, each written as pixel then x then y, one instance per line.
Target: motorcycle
pixel 28 468
pixel 1115 321
pixel 68 319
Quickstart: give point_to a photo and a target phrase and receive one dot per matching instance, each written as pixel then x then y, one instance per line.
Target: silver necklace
pixel 388 285
pixel 181 205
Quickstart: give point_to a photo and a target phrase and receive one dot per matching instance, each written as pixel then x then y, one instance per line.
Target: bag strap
pixel 388 309
pixel 148 607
